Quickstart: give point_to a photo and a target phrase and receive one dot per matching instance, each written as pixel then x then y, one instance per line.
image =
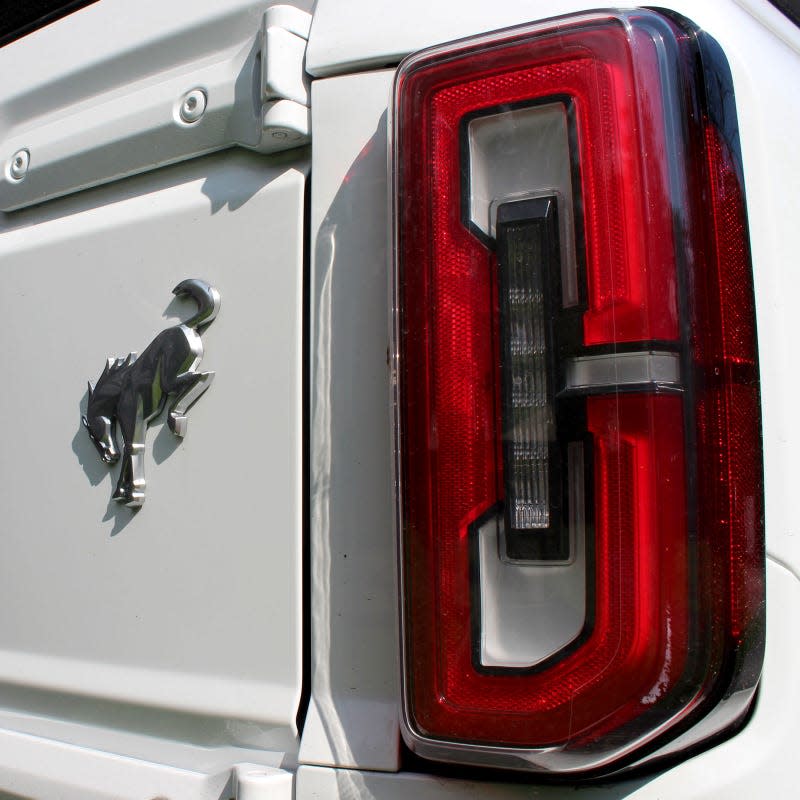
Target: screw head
pixel 193 105
pixel 18 165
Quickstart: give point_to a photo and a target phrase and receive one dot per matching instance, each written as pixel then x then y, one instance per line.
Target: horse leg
pixel 189 394
pixel 121 493
pixel 131 484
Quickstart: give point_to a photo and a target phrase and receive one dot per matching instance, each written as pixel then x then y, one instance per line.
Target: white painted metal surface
pixel 192 605
pixel 113 106
pixel 356 35
pixel 46 768
pixel 39 767
pixel 283 52
pixel 353 713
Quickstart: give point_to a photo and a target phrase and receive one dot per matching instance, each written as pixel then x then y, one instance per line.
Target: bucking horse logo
pixel 132 391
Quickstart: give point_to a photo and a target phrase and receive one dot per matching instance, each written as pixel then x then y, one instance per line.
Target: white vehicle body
pixel 238 636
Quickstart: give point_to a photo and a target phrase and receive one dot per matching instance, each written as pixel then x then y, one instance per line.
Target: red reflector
pixel 582 536
pixel 634 655
pixel 729 435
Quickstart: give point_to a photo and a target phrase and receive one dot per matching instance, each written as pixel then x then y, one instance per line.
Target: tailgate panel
pixel 193 602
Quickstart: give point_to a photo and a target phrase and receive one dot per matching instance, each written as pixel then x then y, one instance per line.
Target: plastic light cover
pixel 528 244
pixel 579 462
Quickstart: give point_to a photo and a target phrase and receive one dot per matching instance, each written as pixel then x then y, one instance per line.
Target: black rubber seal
pixel 791 8
pixel 21 18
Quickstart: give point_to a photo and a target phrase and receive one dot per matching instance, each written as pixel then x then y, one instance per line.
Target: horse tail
pixel 206 297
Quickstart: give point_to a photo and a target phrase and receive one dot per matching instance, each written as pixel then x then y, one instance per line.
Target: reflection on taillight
pixel 578 412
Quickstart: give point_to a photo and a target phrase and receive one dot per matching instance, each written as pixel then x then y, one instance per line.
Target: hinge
pixel 284 83
pixel 124 117
pixel 256 782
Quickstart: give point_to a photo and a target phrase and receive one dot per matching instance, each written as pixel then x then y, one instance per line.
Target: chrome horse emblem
pixel 133 391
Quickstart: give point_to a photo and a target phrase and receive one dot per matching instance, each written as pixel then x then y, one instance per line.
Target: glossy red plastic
pixel 677 582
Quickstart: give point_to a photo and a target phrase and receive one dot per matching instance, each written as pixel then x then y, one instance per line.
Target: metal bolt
pixel 18 166
pixel 193 105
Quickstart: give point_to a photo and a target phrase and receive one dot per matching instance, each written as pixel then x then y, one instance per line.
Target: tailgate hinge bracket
pixel 285 112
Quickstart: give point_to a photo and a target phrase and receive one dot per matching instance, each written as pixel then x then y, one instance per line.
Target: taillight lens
pixel 578 409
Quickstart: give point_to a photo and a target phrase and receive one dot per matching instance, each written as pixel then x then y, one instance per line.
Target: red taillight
pixel 579 445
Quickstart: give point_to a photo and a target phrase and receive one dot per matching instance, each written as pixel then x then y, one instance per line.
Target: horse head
pixel 100 419
pixel 102 431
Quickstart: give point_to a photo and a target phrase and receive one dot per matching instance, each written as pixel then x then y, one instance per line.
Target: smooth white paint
pixel 353 714
pixel 191 605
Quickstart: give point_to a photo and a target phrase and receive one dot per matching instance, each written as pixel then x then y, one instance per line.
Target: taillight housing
pixel 578 431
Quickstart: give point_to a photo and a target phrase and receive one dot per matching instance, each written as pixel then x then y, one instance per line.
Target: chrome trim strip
pixel 611 370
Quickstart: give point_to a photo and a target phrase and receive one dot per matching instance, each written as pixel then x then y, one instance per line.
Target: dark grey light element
pixel 527 242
